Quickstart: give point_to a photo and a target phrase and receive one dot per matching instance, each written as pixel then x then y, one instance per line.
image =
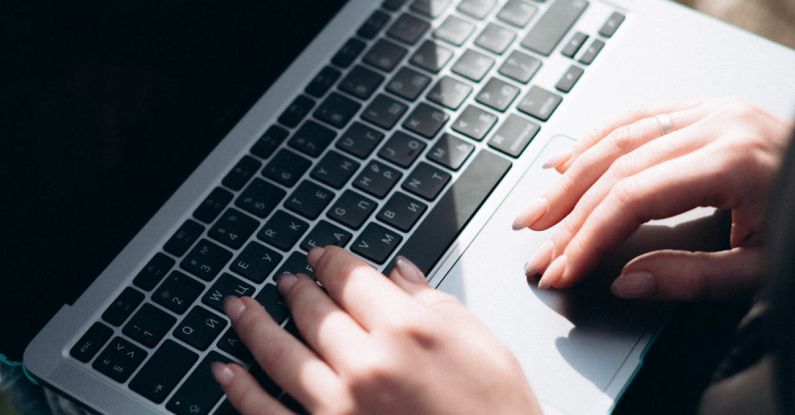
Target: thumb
pixel 683 275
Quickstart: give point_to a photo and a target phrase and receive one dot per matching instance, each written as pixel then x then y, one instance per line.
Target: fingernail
pixel 222 373
pixel 537 208
pixel 553 273
pixel 639 284
pixel 557 159
pixel 285 282
pixel 234 307
pixel 409 271
pixel 539 260
pixel 314 256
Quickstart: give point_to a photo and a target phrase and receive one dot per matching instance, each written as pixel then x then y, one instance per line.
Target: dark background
pixel 105 108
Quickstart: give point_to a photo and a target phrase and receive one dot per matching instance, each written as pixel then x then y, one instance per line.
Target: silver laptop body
pixel 579 348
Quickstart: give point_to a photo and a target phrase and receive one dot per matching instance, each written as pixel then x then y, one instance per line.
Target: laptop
pixel 415 128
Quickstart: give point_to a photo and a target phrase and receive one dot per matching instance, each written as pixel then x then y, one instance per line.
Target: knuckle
pixel 625 193
pixel 623 139
pixel 377 370
pixel 624 166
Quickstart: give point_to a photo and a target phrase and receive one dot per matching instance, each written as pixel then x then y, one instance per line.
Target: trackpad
pixel 570 343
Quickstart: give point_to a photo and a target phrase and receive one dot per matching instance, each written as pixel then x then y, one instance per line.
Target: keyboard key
pixel 324 234
pixel 408 29
pixel 539 103
pixel 373 25
pixel 574 44
pixel 186 235
pixel 497 94
pixel 478 9
pixel 426 120
pixel 283 230
pixel 385 55
pixel 352 209
pixel 286 168
pixel 431 56
pixel 384 111
pixel 295 264
pixel 296 112
pixel 426 181
pixel 569 79
pixel 520 67
pixel 163 371
pixel 553 25
pixel 402 211
pixel 273 302
pixel 232 344
pixel 401 149
pixel 234 228
pixel 88 345
pixel 514 135
pixel 592 52
pixel 430 8
pixel 348 53
pixel 393 5
pixel 226 286
pixel 312 138
pixel 361 82
pixel 359 140
pixel 243 171
pixel 517 13
pixel 125 304
pixel 473 65
pixel 474 122
pixel 260 198
pixel 408 84
pixel 309 199
pixel 377 179
pixel 200 328
pixel 449 92
pixel 200 392
pixel 454 210
pixel 213 205
pixel 495 38
pixel 119 360
pixel 177 292
pixel 611 25
pixel 149 325
pixel 154 271
pixel 323 82
pixel 256 262
pixel 450 151
pixel 269 142
pixel 337 110
pixel 376 243
pixel 334 169
pixel 206 260
pixel 454 30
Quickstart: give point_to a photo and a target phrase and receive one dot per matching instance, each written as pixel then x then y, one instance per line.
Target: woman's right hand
pixel 656 163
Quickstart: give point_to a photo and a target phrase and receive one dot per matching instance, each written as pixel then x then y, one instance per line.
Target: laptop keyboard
pixel 390 149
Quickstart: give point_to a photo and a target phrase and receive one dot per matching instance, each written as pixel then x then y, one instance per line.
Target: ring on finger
pixel 666 123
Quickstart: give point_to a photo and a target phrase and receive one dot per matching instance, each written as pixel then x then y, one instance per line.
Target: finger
pixel 632 116
pixel 680 275
pixel 328 329
pixel 658 151
pixel 286 360
pixel 408 277
pixel 359 288
pixel 664 190
pixel 592 164
pixel 244 392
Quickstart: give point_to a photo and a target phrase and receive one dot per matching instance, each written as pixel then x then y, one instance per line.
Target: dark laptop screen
pixel 107 106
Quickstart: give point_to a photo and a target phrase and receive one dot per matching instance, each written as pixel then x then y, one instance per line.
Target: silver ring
pixel 666 124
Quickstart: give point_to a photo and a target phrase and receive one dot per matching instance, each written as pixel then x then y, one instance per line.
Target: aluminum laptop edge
pixel 578 348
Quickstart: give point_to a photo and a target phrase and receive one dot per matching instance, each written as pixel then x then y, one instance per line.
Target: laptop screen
pixel 111 105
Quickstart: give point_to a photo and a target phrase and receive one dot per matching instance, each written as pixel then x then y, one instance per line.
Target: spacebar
pixel 454 210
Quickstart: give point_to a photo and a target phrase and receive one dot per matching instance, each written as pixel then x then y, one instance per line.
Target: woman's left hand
pixel 373 345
